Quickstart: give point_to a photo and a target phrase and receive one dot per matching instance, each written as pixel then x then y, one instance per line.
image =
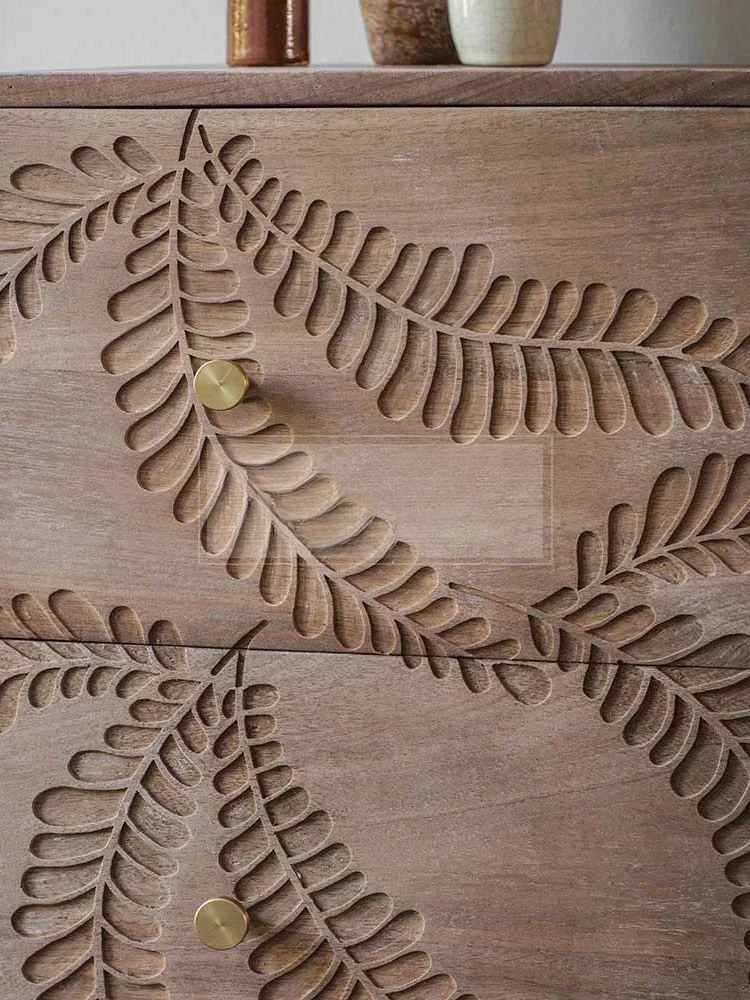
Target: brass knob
pixel 220 385
pixel 221 923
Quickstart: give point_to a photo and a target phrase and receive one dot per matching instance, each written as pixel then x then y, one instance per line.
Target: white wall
pixel 66 34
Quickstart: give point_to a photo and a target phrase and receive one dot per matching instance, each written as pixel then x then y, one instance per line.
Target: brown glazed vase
pixel 408 32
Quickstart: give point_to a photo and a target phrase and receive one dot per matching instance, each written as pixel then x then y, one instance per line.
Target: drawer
pixel 389 837
pixel 498 378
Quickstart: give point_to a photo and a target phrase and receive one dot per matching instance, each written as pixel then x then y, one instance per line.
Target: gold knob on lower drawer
pixel 221 923
pixel 220 385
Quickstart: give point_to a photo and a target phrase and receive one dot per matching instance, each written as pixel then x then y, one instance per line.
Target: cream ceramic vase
pixel 505 32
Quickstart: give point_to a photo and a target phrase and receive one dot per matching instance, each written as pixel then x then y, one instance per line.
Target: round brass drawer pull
pixel 221 923
pixel 220 385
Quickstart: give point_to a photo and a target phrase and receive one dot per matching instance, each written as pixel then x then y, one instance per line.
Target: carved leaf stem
pixel 691 713
pixel 111 842
pixel 83 654
pixel 316 931
pixel 263 507
pixel 478 351
pixel 700 529
pixel 690 528
pixel 50 215
pixel 694 723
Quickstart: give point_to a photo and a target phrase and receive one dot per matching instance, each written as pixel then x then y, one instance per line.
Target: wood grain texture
pixel 425 86
pixel 418 470
pixel 385 835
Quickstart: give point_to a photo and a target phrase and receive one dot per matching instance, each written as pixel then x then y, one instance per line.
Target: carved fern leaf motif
pixel 111 843
pixel 690 713
pixel 315 929
pixel 694 723
pixel 690 528
pixel 685 708
pixel 48 217
pixel 473 350
pixel 85 654
pixel 261 505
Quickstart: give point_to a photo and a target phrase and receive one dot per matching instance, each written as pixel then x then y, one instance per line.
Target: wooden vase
pixel 408 32
pixel 505 32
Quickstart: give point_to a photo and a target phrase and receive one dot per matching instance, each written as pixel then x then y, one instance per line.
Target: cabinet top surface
pixel 383 86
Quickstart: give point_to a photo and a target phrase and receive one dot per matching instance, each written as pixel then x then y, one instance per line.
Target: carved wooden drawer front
pixel 433 652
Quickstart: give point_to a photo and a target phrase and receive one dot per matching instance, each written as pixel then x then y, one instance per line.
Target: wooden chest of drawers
pixel 434 652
